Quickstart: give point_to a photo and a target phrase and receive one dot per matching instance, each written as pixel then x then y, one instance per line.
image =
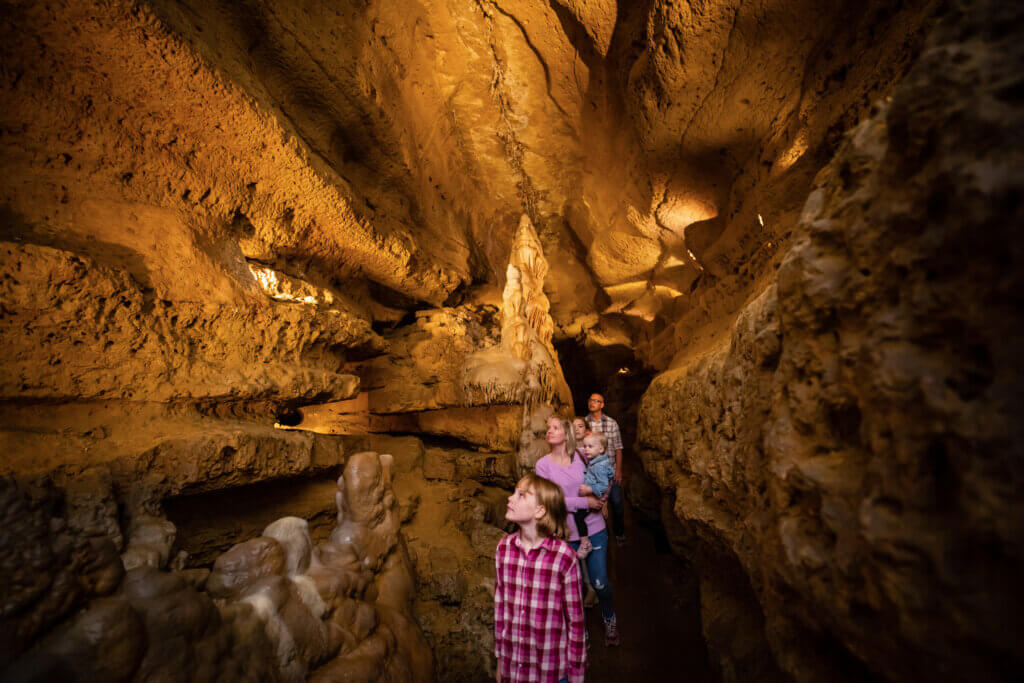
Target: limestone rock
pixel 846 450
pixel 149 542
pixel 292 533
pixel 236 570
pixel 91 506
pixel 47 569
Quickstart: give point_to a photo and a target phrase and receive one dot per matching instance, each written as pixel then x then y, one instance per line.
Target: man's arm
pixel 615 443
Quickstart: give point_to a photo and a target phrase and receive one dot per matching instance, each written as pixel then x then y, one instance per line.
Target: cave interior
pixel 289 292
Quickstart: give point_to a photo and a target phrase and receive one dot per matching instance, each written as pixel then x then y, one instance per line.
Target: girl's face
pixel 592 447
pixel 556 432
pixel 522 505
pixel 579 428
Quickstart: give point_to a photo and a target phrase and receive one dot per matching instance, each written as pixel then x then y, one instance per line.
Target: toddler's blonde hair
pixel 601 438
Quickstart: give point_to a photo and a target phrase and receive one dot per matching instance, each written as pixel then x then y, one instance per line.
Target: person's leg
pixel 580 518
pixel 589 597
pixel 615 502
pixel 597 563
pixel 597 567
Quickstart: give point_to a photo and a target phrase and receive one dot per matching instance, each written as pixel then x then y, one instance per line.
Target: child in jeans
pixel 538 608
pixel 596 481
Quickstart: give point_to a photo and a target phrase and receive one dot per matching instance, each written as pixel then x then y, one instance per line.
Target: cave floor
pixel 656 599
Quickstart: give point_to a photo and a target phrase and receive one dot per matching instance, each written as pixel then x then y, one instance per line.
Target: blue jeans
pixel 597 567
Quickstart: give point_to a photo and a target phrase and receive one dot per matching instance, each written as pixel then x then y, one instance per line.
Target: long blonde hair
pixel 554 523
pixel 570 438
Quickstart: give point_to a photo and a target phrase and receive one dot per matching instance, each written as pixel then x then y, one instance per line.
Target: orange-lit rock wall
pixel 242 241
pixel 848 457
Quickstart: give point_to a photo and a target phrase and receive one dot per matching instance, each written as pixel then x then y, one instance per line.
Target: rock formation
pixel 847 453
pixel 275 607
pixel 242 241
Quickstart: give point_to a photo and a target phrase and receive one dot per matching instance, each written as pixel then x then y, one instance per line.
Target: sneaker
pixel 585 548
pixel 611 633
pixel 621 539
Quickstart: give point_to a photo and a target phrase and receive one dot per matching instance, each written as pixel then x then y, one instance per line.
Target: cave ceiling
pixel 382 153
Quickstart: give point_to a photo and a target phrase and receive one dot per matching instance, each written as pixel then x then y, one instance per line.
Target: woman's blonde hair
pixel 570 438
pixel 601 438
pixel 554 523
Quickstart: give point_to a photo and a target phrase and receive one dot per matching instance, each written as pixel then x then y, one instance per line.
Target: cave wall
pixel 379 156
pixel 851 450
pixel 214 213
pixel 242 241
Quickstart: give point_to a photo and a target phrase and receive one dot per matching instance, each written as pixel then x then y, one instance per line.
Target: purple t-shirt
pixel 570 479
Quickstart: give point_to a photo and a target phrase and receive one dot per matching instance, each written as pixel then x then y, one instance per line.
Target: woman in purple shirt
pixel 567 471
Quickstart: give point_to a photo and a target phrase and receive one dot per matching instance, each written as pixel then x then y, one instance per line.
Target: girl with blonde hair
pixel 538 609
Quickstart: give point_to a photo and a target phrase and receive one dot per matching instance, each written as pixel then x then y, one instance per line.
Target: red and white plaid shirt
pixel 538 612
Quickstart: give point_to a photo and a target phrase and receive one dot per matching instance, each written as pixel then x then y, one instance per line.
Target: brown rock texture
pixel 220 153
pixel 452 504
pixel 242 240
pixel 275 607
pixel 849 452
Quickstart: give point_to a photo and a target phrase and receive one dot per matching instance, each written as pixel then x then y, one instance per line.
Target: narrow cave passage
pixel 289 293
pixel 656 593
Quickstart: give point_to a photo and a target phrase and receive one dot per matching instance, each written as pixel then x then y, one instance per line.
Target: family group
pixel 560 509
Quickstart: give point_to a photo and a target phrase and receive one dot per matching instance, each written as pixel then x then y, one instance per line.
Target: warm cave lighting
pixel 795 151
pixel 623 371
pixel 277 288
pixel 694 259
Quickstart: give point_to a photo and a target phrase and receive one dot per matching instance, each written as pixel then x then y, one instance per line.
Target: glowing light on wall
pixel 280 287
pixel 793 153
pixel 694 258
pixel 677 213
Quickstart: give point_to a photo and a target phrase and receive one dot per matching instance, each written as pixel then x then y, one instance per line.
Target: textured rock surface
pixel 452 504
pixel 851 450
pixel 273 608
pixel 231 232
pixel 387 151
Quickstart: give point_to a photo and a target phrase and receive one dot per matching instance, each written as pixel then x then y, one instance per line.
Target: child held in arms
pixel 538 609
pixel 596 481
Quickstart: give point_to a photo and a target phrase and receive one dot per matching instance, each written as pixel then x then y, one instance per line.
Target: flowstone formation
pixel 525 369
pixel 486 378
pixel 844 469
pixel 276 607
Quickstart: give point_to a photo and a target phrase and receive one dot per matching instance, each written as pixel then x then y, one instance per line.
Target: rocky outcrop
pixel 273 608
pixel 452 503
pixel 389 152
pixel 848 452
